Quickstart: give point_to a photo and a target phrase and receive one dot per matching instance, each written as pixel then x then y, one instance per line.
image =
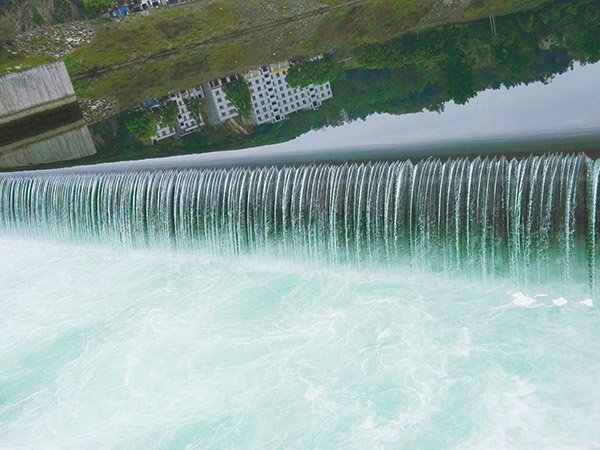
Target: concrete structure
pixel 185 123
pixel 218 108
pixel 146 4
pixel 71 141
pixel 34 91
pixel 272 98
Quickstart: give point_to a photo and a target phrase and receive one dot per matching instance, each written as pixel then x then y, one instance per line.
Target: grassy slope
pixel 151 54
pixel 28 14
pixel 176 48
pixel 173 49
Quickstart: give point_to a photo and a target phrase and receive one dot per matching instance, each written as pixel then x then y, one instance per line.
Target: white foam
pixel 522 300
pixel 384 335
pixel 368 424
pixel 240 340
pixel 541 295
pixel 587 302
pixel 560 301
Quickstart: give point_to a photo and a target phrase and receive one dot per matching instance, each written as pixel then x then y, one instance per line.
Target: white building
pixel 146 4
pixel 162 132
pixel 272 98
pixel 218 108
pixel 185 123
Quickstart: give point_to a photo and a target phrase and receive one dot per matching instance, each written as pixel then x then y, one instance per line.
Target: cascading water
pixel 159 349
pixel 533 219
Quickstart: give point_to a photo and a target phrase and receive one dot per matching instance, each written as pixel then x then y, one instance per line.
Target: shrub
pixel 168 114
pixel 97 7
pixel 7 31
pixel 317 71
pixel 238 93
pixel 36 17
pixel 194 106
pixel 141 124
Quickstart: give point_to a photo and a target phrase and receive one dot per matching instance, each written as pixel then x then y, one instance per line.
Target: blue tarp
pixel 122 11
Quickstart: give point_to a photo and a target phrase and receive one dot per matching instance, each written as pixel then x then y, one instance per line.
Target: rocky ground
pixel 98 110
pixel 447 9
pixel 55 41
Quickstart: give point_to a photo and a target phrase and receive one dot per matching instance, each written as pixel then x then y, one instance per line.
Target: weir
pixel 530 219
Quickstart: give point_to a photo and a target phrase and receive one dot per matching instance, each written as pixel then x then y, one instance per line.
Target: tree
pixel 7 32
pixel 238 93
pixel 458 78
pixel 592 14
pixel 315 71
pixel 194 106
pixel 168 114
pixel 36 17
pixel 97 7
pixel 141 124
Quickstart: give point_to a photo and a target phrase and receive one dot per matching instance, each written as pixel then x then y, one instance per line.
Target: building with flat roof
pixel 185 124
pixel 272 98
pixel 218 108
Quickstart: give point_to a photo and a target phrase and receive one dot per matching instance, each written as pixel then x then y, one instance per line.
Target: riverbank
pixel 153 53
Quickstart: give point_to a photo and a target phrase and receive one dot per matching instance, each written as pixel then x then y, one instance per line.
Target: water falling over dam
pixel 530 219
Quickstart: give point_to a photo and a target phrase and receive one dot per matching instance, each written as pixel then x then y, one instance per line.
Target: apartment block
pixel 272 98
pixel 218 108
pixel 185 123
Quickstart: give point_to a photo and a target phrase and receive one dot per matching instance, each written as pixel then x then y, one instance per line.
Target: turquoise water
pixel 136 349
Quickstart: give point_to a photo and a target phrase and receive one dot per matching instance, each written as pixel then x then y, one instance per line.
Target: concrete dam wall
pixel 34 91
pixel 72 141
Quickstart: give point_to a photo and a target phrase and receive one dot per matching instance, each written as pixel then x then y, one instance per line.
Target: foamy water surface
pixel 137 350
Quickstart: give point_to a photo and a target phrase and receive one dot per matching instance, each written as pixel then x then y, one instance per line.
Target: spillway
pixel 372 340
pixel 531 219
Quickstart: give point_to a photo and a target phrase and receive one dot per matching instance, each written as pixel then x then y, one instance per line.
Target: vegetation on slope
pixel 140 124
pixel 28 14
pixel 529 47
pixel 238 93
pixel 168 50
pixel 151 54
pixel 313 71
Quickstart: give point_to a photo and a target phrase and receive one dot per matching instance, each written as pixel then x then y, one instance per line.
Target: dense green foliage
pixel 7 31
pixel 36 17
pixel 168 114
pixel 141 124
pixel 194 106
pixel 62 11
pixel 457 61
pixel 97 7
pixel 238 93
pixel 313 71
